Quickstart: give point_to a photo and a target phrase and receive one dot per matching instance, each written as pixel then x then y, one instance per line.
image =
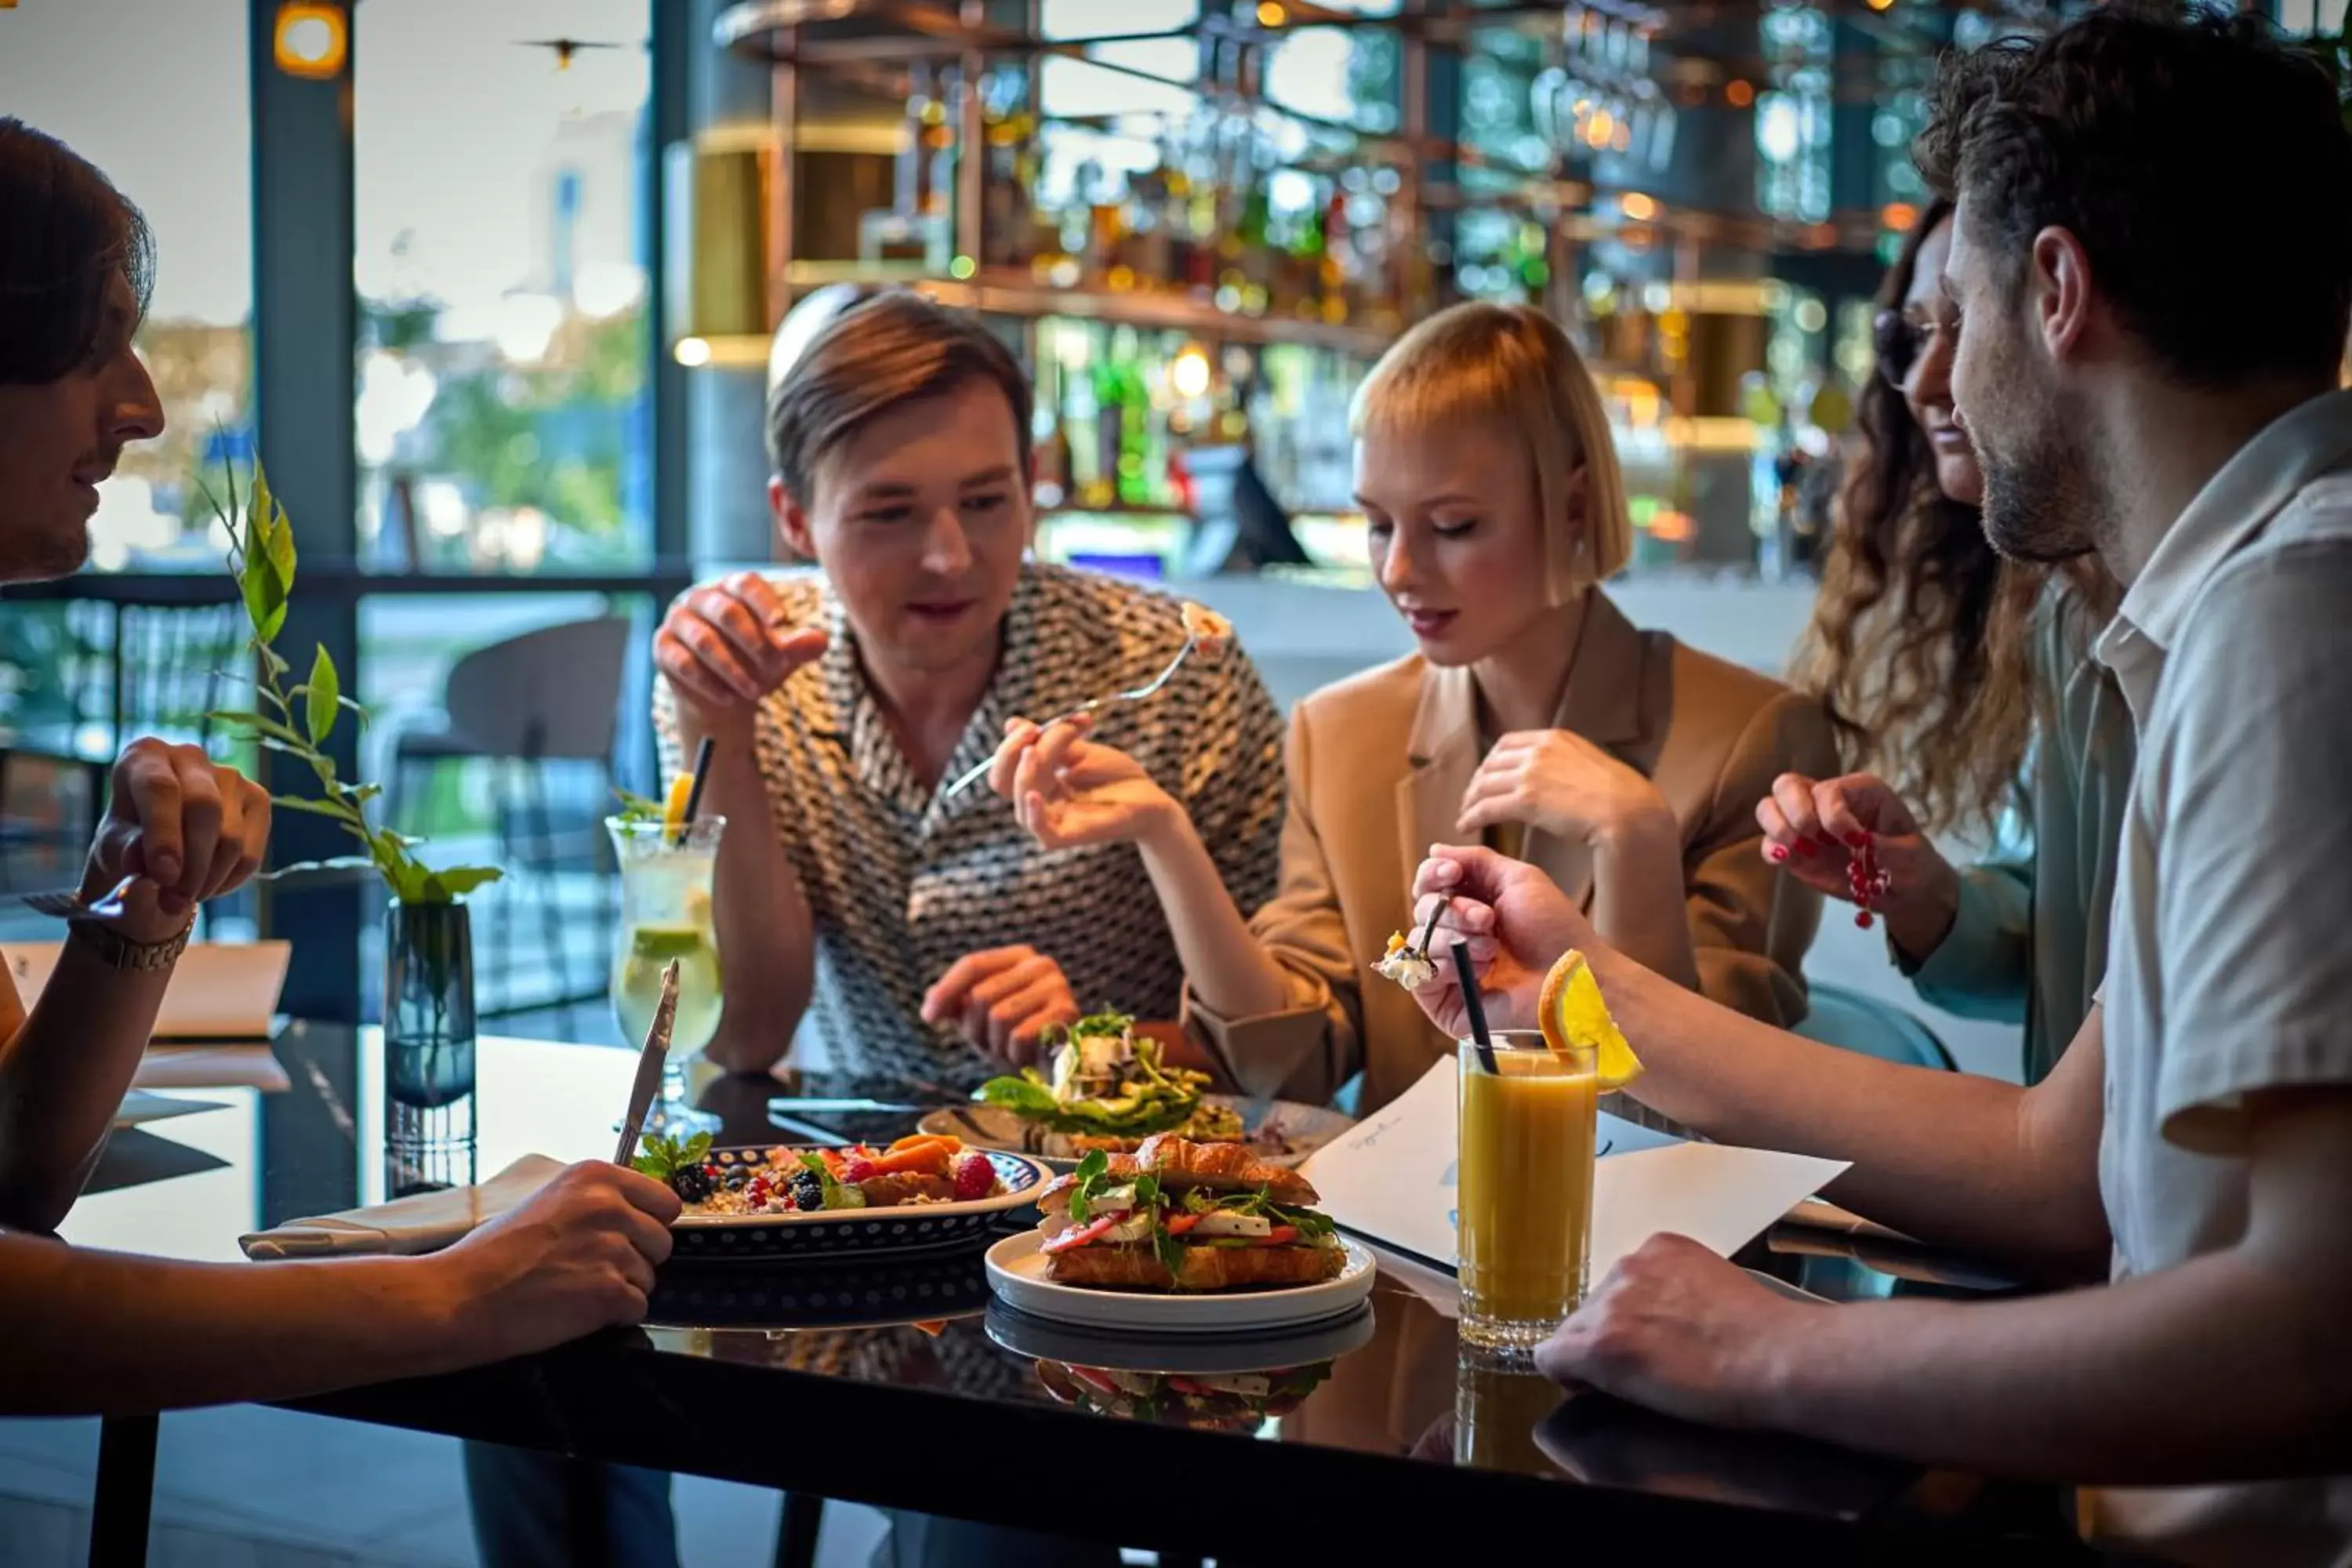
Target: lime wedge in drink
pixel 663 942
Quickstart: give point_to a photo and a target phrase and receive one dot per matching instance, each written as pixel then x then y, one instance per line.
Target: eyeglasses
pixel 1896 338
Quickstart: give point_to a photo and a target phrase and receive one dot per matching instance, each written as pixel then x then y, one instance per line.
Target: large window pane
pixel 501 407
pixel 156 95
pixel 476 799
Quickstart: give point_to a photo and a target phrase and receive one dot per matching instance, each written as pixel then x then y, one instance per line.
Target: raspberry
pixel 975 1177
pixel 857 1168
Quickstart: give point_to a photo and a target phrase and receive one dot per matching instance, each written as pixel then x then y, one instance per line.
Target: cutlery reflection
pixel 67 904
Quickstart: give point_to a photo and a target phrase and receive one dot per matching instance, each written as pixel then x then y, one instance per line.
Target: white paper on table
pixel 219 991
pixel 212 1067
pixel 1391 1178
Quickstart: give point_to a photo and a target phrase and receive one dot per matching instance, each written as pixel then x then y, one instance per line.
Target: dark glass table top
pixel 898 1382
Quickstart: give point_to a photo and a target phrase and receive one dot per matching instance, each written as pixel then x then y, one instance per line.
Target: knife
pixel 649 1066
pixel 794 1105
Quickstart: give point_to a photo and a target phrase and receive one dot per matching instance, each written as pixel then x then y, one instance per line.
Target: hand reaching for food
pixel 726 646
pixel 1068 791
pixel 1002 1001
pixel 1822 831
pixel 188 828
pixel 1516 922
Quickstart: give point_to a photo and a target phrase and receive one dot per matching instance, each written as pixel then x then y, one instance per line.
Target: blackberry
pixel 808 1191
pixel 690 1183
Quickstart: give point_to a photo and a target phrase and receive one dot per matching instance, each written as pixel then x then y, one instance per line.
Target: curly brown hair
pixel 2124 127
pixel 1920 644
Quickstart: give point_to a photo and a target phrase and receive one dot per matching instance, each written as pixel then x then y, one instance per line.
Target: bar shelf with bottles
pixel 1206 266
pixel 1205 275
pixel 1230 221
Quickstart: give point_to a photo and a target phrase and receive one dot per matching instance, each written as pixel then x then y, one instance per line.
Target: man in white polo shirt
pixel 2145 378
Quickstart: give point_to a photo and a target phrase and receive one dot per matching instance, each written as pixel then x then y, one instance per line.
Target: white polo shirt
pixel 2230 954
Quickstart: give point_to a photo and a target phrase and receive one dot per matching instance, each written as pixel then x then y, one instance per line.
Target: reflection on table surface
pixel 1390 1379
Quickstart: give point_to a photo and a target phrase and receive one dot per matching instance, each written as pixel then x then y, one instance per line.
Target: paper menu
pixel 212 1067
pixel 219 991
pixel 1390 1178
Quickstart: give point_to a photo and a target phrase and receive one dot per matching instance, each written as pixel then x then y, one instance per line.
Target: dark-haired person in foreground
pixel 929 940
pixel 99 1332
pixel 2199 1131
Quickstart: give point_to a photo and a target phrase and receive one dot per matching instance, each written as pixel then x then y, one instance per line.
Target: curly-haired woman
pixel 1964 693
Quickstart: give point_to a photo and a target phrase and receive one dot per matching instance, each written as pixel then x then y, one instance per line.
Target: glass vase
pixel 428 1045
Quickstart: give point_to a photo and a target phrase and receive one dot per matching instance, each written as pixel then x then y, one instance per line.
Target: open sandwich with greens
pixel 1109 1092
pixel 1182 1216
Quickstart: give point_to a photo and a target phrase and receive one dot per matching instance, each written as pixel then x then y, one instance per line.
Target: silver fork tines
pixel 1083 709
pixel 68 906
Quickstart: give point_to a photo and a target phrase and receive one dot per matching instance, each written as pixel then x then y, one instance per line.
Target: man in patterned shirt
pixel 933 941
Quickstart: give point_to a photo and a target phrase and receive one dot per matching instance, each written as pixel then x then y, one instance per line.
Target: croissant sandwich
pixel 1181 1215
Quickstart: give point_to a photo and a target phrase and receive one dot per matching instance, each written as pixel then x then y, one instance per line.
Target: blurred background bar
pixel 500 279
pixel 573 227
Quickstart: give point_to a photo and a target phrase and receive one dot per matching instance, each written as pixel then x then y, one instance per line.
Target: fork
pixel 68 906
pixel 1083 709
pixel 1430 930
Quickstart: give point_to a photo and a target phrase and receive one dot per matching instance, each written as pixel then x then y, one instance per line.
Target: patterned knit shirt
pixel 901 881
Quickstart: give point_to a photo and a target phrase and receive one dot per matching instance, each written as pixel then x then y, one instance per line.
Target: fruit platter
pixel 802 1200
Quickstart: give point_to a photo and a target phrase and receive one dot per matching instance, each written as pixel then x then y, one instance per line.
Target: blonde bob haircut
pixel 1511 369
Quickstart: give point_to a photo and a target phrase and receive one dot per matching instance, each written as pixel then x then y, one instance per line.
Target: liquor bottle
pixel 1007 238
pixel 1151 242
pixel 938 141
pixel 911 195
pixel 1338 268
pixel 1253 233
pixel 1106 237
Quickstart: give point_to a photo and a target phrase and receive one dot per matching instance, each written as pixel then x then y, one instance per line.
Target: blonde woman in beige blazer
pixel 1535 717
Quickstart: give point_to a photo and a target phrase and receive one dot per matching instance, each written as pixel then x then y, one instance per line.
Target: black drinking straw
pixel 694 790
pixel 1476 1008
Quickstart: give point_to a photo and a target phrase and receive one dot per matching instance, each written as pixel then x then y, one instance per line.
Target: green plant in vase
pixel 428 989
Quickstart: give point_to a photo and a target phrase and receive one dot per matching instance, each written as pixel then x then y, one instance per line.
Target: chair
pixel 547 696
pixel 1853 1022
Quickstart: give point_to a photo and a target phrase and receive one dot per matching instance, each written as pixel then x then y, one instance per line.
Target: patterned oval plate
pixel 909 1227
pixel 1281 1131
pixel 859 1291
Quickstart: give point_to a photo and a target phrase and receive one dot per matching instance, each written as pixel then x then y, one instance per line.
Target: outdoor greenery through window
pixel 65 71
pixel 502 404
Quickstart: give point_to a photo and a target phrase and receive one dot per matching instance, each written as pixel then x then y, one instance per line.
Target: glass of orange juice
pixel 1524 1198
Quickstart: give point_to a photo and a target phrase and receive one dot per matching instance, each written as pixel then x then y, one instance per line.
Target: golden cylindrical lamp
pixel 721 186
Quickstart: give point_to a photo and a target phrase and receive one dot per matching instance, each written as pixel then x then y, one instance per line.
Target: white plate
pixel 1112 1351
pixel 1016 1272
pixel 1304 1127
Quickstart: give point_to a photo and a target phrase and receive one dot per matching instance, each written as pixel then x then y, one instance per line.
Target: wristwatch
pixel 116 951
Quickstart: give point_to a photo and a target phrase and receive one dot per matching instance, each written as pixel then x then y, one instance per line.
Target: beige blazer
pixel 1376 764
